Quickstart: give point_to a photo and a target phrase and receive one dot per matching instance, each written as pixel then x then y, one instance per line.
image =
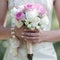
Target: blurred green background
pixel 56 44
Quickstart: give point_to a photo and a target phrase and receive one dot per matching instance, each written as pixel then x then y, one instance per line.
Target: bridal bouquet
pixel 31 15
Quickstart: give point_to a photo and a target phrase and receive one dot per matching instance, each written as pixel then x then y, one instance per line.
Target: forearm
pixel 52 36
pixel 3 10
pixel 5 33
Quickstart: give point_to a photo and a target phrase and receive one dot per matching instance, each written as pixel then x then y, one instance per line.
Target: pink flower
pixel 20 16
pixel 40 8
pixel 29 6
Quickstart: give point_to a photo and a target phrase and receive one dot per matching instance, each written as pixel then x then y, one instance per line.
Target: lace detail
pixel 47 3
pixel 10 4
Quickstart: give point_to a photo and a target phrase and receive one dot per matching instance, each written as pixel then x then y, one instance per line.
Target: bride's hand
pixel 35 36
pixel 32 35
pixel 18 32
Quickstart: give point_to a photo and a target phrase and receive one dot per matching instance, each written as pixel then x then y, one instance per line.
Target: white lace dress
pixel 41 51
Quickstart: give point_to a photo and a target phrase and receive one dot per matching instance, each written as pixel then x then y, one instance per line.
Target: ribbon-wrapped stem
pixel 29 50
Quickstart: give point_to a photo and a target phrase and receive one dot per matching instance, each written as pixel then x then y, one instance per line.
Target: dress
pixel 42 51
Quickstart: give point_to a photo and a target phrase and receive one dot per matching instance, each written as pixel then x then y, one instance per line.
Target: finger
pixel 31 34
pixel 31 38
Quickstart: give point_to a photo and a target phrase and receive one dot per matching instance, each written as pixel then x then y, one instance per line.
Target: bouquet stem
pixel 29 50
pixel 30 56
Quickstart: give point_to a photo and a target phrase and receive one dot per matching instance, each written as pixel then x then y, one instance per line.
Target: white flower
pixel 45 20
pixel 38 27
pixel 35 21
pixel 19 24
pixel 29 26
pixel 31 14
pixel 13 11
pixel 32 23
pixel 32 28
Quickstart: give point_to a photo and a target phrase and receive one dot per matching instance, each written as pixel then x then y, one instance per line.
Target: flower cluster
pixel 33 16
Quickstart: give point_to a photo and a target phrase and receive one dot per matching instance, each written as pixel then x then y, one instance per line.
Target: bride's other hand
pixel 18 32
pixel 31 35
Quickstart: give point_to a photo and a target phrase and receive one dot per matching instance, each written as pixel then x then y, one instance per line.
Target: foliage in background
pixel 2 50
pixel 54 27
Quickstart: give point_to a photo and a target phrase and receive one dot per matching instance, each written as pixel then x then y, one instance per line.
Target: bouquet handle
pixel 29 50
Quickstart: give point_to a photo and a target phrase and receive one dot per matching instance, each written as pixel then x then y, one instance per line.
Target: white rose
pixel 31 14
pixel 37 20
pixel 34 22
pixel 45 20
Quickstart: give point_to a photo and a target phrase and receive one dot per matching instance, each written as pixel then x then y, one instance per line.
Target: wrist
pixel 50 36
pixel 46 36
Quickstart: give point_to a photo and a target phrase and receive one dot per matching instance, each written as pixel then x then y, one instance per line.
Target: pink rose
pixel 41 9
pixel 20 16
pixel 29 6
